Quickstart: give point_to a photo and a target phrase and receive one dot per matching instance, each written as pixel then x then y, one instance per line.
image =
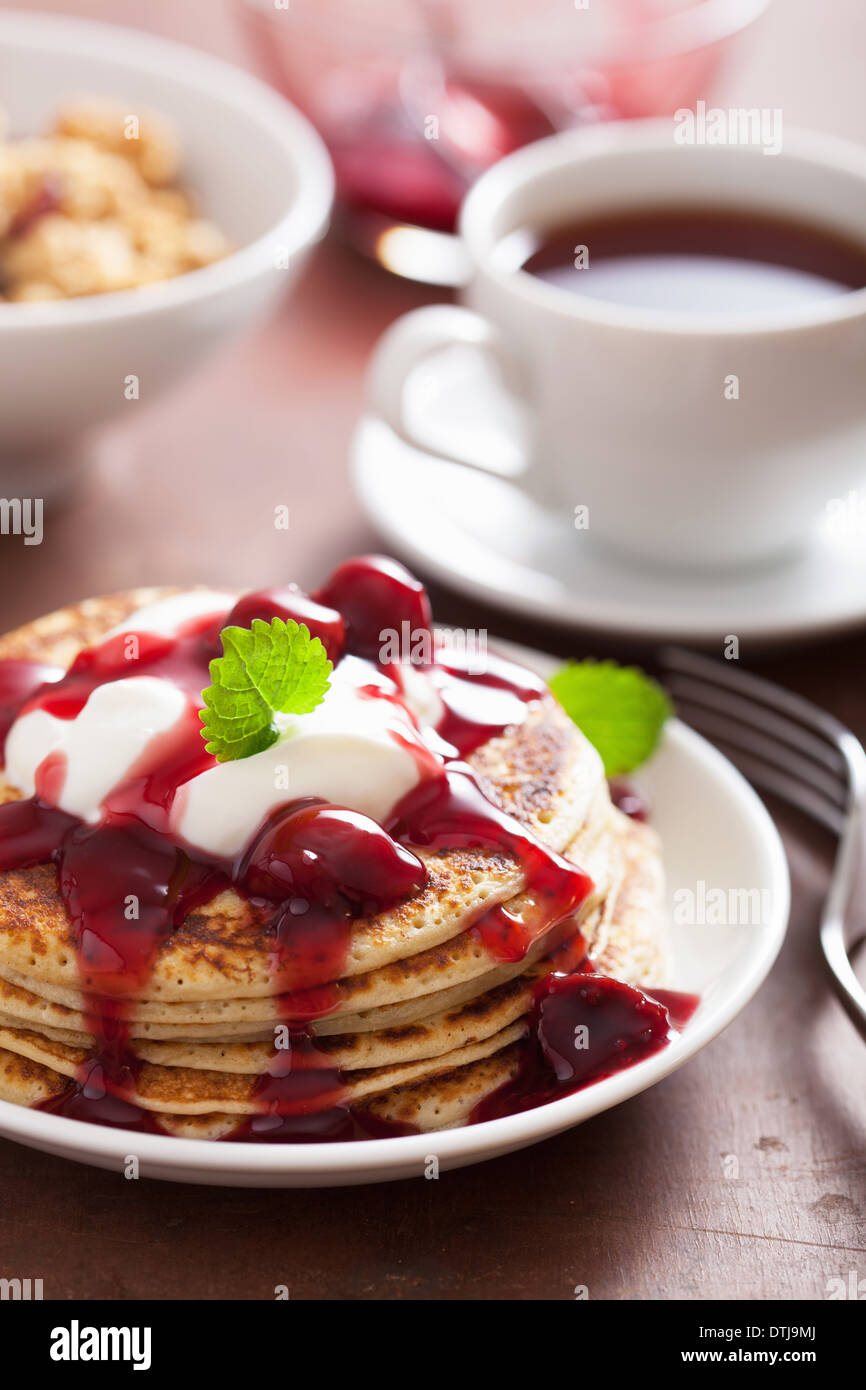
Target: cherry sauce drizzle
pixel 584 1027
pixel 311 871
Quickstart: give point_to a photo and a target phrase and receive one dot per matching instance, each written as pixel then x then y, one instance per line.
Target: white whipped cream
pixel 166 615
pixel 421 695
pixel 344 751
pixel 101 744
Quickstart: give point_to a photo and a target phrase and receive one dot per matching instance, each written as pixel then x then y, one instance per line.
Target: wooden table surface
pixel 637 1203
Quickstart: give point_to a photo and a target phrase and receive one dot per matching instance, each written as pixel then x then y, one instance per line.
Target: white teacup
pixel 633 414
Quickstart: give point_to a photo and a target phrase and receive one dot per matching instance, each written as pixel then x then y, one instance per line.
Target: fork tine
pixel 721 673
pixel 816 746
pixel 849 990
pixel 790 789
pixel 804 743
pixel 764 746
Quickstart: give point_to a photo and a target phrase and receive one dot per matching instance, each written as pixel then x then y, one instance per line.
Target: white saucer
pixel 482 535
pixel 714 829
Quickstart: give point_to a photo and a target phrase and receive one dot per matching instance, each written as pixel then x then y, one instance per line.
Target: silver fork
pixel 786 746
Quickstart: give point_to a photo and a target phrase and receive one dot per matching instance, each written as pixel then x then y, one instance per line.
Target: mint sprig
pixel 619 709
pixel 269 669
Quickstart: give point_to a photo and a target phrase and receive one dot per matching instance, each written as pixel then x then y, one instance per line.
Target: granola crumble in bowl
pixel 155 203
pixel 96 205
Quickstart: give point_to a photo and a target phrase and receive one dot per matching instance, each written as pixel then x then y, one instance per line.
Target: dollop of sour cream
pixel 355 750
pixel 167 615
pixel 360 748
pixel 100 746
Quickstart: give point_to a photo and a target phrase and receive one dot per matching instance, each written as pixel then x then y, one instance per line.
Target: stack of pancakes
pixel 427 1021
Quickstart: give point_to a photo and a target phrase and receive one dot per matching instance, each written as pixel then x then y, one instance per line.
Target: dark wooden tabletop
pixel 641 1202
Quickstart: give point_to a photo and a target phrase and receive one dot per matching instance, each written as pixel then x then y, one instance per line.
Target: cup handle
pixel 418 335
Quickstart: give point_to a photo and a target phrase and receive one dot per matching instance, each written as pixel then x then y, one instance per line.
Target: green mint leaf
pixel 619 709
pixel 268 669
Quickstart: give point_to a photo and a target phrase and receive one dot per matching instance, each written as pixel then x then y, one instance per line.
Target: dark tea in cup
pixel 691 259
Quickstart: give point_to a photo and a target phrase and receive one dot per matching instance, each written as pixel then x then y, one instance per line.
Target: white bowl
pixel 714 830
pixel 257 168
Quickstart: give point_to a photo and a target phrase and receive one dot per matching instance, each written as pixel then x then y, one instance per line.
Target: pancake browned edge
pixel 428 1022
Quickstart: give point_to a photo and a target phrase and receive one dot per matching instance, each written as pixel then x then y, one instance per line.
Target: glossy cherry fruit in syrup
pixel 314 850
pixel 376 595
pixel 587 1024
pixel 291 603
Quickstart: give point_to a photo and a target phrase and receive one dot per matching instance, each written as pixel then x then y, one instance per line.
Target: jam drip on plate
pixel 628 799
pixel 310 872
pixel 584 1027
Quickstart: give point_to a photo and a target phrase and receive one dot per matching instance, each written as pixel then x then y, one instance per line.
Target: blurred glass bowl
pixel 416 98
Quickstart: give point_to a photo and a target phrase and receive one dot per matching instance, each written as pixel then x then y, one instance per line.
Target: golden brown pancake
pixel 439 1102
pixel 425 1018
pixel 546 774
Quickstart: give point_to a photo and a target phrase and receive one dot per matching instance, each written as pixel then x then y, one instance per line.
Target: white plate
pixel 715 830
pixel 482 535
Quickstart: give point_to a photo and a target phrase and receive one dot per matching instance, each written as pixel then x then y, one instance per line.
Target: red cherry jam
pixel 479 700
pixel 311 870
pixel 324 866
pixel 452 811
pixel 628 799
pixel 317 851
pixel 584 1027
pixel 19 681
pixel 291 604
pixel 377 597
